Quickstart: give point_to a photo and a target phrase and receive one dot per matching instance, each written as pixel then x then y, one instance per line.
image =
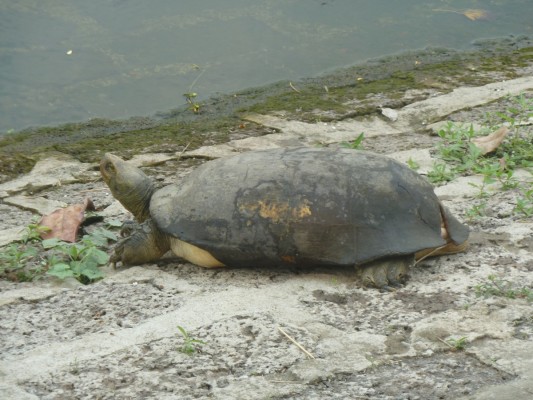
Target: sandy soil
pixel 119 338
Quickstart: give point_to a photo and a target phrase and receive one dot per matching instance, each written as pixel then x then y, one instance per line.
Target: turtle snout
pixel 107 167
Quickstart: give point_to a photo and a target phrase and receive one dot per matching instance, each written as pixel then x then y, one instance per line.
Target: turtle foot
pixel 142 244
pixel 386 274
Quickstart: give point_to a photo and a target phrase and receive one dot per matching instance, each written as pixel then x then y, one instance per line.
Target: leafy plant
pixel 440 173
pixel 456 140
pixel 31 257
pixel 15 257
pixel 79 260
pixel 33 232
pixel 190 345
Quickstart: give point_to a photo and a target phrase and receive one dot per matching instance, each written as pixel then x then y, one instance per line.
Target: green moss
pixel 15 164
pixel 20 151
pixel 395 83
pixel 446 74
pixel 306 100
pixel 163 138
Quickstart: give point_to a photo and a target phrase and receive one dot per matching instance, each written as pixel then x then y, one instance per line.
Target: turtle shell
pixel 304 206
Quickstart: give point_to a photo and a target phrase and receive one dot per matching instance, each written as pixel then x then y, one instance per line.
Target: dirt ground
pixel 118 338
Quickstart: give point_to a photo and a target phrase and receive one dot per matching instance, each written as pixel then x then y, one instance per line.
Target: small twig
pixel 296 343
pixel 430 253
pixel 293 88
pixel 496 284
pixel 183 151
pixel 446 343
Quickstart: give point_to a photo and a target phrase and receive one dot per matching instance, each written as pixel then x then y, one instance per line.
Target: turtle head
pixel 128 184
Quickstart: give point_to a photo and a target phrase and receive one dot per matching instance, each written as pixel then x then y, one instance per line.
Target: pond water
pixel 72 60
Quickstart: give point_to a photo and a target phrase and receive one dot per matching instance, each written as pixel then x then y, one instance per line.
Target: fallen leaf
pixel 65 222
pixel 488 144
pixel 475 14
pixel 472 14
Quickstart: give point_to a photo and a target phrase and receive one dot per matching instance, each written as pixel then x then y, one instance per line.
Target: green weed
pixel 519 112
pixel 190 345
pixel 524 204
pixel 477 210
pixel 14 258
pixel 502 288
pixel 457 344
pixel 354 144
pixel 441 173
pixel 413 164
pixel 193 105
pixel 461 157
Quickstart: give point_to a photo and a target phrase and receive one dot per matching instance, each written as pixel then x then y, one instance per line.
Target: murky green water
pixel 72 60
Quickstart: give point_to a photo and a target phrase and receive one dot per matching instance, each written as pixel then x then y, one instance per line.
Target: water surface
pixel 72 60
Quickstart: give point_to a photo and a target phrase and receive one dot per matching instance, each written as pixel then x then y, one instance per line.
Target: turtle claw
pixel 128 228
pixel 387 289
pixel 118 252
pixel 388 274
pixel 396 285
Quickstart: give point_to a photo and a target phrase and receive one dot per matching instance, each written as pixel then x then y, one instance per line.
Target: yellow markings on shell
pixel 278 211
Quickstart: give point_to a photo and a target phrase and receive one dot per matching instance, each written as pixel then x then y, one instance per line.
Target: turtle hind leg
pixel 146 244
pixel 386 273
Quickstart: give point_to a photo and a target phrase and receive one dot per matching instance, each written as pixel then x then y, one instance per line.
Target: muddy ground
pixel 118 338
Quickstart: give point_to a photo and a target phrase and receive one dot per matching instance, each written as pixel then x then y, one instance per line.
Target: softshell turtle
pixel 290 206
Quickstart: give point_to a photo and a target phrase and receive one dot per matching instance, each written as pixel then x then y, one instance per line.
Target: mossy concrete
pixel 346 93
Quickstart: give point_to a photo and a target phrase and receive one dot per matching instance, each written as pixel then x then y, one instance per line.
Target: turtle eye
pixel 109 168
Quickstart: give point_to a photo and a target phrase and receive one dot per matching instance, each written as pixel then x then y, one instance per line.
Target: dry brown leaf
pixel 472 14
pixel 475 14
pixel 488 144
pixel 65 222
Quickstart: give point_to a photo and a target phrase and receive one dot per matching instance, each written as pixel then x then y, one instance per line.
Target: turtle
pixel 298 206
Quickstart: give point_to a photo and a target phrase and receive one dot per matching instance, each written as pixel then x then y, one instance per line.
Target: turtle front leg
pixel 387 273
pixel 146 244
